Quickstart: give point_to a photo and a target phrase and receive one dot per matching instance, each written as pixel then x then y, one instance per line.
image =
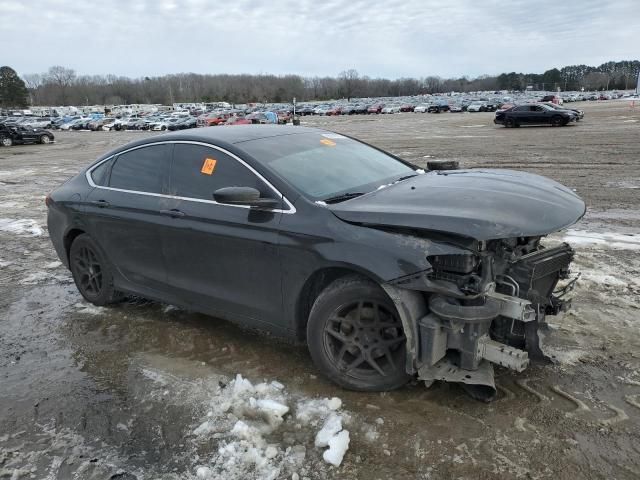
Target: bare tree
pixel 63 78
pixel 348 81
pixel 33 81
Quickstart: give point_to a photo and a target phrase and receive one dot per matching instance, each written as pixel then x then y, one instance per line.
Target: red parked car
pixel 212 119
pixel 376 108
pixel 334 111
pixel 407 108
pixel 238 121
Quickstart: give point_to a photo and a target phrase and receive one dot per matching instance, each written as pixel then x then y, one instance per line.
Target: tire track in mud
pixel 580 410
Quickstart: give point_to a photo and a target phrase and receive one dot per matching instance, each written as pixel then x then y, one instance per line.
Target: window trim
pixel 290 210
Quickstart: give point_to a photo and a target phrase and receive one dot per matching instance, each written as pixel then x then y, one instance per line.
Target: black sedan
pixel 534 114
pixel 17 135
pixel 387 272
pixel 579 113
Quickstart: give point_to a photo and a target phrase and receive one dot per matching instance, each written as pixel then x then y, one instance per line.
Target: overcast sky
pixel 390 38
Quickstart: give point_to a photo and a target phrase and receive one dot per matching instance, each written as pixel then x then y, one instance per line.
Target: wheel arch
pixel 314 285
pixel 69 237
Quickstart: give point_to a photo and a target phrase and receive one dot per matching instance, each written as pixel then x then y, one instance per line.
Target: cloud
pixel 392 38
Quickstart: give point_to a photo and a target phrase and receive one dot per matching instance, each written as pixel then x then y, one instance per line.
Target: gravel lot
pixel 145 390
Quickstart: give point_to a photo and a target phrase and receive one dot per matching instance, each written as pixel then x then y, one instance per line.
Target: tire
pixel 45 139
pixel 557 121
pixel 355 336
pixel 92 272
pixel 510 123
pixel 6 141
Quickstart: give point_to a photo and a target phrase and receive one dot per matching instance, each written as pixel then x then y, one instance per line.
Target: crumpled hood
pixel 482 204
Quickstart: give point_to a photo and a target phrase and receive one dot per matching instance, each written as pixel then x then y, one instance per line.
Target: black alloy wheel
pixel 356 337
pixel 91 271
pixel 557 121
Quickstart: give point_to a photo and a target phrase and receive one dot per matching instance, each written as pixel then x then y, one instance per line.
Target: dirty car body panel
pixel 458 252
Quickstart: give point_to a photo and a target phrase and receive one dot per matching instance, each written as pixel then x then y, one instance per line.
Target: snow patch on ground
pixel 563 356
pixel 24 226
pixel 607 240
pixel 247 420
pixel 90 309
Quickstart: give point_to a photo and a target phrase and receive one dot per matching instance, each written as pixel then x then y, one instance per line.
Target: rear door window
pixel 197 171
pixel 143 169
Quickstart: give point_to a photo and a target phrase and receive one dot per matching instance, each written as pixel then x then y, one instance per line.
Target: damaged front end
pixel 473 310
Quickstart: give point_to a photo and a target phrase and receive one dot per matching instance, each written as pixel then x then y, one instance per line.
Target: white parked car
pixel 422 108
pixel 391 109
pixel 107 127
pixel 162 125
pixel 321 110
pixel 477 107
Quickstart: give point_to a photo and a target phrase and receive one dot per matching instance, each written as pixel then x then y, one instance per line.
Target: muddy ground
pixel 144 390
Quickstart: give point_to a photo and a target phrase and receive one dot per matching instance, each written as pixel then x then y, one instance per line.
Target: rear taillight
pixel 48 201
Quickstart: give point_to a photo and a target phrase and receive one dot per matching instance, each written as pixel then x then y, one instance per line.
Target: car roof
pixel 238 134
pixel 224 137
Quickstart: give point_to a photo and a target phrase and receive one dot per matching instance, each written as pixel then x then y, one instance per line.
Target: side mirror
pixel 246 196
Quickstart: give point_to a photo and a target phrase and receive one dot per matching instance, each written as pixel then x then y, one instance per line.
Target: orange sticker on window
pixel 208 166
pixel 327 142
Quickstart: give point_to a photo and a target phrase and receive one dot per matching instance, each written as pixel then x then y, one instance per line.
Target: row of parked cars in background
pixel 437 105
pixel 512 110
pixel 155 121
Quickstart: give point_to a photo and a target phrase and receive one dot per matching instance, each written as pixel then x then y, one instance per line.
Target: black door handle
pixel 101 203
pixel 172 213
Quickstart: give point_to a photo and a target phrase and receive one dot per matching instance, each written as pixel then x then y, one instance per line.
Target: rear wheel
pixel 6 141
pixel 92 272
pixel 355 336
pixel 557 121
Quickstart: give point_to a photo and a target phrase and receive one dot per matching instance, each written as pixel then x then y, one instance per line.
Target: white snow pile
pixel 617 241
pixel 333 436
pixel 24 226
pixel 260 431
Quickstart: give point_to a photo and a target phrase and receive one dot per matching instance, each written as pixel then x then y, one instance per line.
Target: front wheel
pixel 510 123
pixel 6 141
pixel 45 139
pixel 92 272
pixel 356 338
pixel 557 121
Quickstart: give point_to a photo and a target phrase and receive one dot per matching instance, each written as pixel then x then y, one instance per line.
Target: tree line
pixel 63 86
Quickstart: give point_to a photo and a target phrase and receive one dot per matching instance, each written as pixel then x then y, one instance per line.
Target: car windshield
pixel 326 165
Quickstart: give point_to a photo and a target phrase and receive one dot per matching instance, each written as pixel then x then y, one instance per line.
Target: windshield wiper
pixel 342 197
pixel 406 177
